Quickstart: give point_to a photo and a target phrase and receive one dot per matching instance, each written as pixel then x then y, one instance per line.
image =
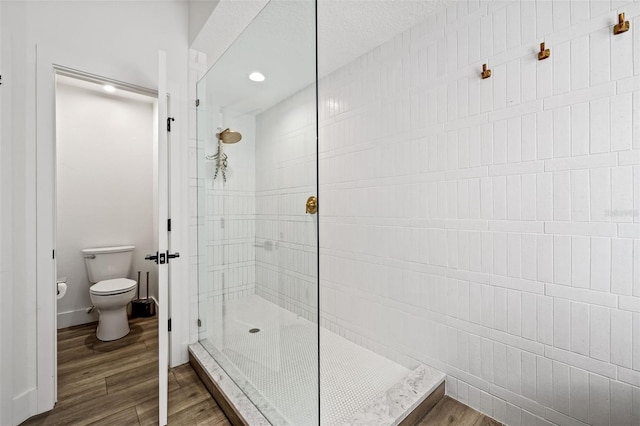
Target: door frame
pixel 46 318
pixel 162 231
pixel 48 63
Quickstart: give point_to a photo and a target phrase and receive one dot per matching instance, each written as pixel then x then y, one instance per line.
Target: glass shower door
pixel 257 225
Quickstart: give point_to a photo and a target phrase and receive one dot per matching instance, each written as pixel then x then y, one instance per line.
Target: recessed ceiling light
pixel 109 88
pixel 256 76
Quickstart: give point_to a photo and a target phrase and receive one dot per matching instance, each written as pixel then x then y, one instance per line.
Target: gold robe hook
pixel 544 53
pixel 486 73
pixel 622 26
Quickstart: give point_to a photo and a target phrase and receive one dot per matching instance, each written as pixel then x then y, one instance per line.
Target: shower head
pixel 229 136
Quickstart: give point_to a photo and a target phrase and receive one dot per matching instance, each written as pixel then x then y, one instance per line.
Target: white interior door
pixel 163 252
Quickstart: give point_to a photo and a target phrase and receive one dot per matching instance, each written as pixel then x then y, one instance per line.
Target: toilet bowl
pixel 111 298
pixel 111 292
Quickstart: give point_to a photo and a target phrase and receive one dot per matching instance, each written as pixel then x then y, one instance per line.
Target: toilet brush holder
pixel 143 308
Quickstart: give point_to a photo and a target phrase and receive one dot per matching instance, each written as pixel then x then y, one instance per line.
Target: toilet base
pixel 113 324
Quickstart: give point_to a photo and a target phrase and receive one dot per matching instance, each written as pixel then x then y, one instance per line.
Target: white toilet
pixel 111 292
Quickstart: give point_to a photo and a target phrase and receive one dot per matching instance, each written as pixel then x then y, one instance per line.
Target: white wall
pixel 287 237
pixel 199 12
pixel 119 40
pixel 105 156
pixel 18 356
pixel 2 370
pixel 5 300
pixel 490 228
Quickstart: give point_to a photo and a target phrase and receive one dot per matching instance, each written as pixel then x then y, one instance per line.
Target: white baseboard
pixel 80 316
pixel 77 317
pixel 25 406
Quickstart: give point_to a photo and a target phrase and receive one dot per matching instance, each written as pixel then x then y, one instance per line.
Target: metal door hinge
pixel 169 120
pixel 1 81
pixel 53 254
pixel 169 225
pixel 197 102
pixel 199 323
pixel 169 324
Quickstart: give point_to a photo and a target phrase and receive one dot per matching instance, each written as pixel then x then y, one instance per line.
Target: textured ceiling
pixel 349 28
pixel 227 21
pixel 279 41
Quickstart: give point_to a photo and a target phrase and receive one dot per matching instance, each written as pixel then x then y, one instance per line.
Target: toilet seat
pixel 112 287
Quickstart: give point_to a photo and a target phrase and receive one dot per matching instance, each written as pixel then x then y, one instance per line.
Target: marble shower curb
pixel 404 403
pixel 235 404
pixel 400 401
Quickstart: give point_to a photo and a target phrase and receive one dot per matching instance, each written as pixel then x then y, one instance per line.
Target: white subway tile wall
pixel 286 238
pixel 222 213
pixel 491 228
pixel 228 222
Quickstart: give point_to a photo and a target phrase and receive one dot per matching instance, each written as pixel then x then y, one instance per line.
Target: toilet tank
pixel 105 263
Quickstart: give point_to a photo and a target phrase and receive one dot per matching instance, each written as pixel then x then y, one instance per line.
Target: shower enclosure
pixel 258 245
pixel 258 240
pixel 486 227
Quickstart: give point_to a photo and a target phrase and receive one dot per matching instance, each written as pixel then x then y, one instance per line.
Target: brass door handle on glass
pixel 312 205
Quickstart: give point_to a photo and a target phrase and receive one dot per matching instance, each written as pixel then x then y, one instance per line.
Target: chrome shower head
pixel 229 136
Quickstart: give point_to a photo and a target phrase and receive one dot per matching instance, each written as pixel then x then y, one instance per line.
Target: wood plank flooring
pixel 448 411
pixel 116 383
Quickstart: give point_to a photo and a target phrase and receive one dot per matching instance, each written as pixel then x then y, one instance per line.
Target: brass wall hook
pixel 622 26
pixel 486 73
pixel 544 53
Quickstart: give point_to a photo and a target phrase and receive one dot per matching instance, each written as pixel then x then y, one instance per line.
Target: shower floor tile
pixel 277 366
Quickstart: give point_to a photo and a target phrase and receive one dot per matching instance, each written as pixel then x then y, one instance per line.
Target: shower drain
pixel 254 330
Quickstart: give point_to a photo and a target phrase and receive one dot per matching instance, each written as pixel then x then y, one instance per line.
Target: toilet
pixel 111 291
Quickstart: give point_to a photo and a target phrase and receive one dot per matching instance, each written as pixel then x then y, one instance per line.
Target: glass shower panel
pixel 258 246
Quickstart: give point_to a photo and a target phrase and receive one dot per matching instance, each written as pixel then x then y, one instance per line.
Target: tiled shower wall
pixel 491 228
pixel 227 236
pixel 223 218
pixel 286 237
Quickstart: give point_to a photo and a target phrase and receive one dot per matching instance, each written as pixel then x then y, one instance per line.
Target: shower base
pixel 277 369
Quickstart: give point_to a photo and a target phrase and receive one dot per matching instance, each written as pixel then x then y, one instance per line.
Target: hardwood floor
pixel 448 411
pixel 116 383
